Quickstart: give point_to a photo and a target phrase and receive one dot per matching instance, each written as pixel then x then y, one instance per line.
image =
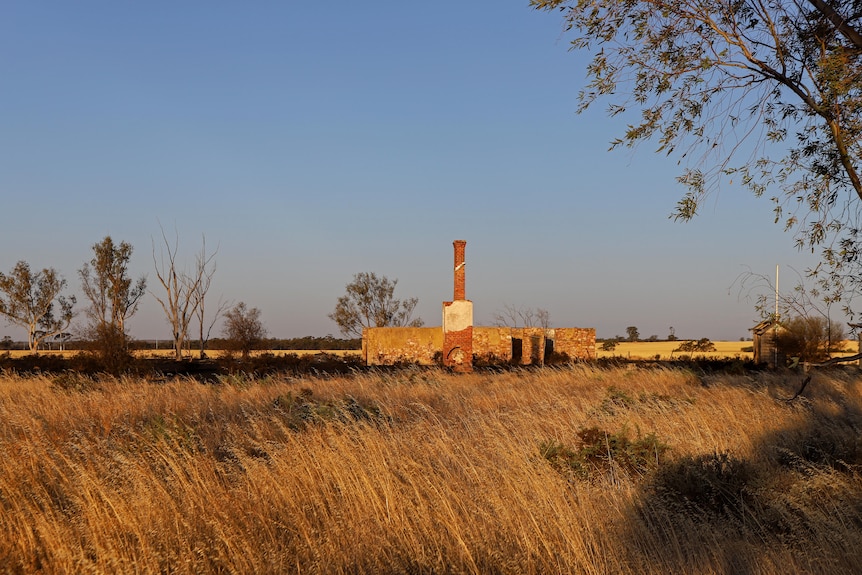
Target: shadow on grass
pixel 206 370
pixel 795 506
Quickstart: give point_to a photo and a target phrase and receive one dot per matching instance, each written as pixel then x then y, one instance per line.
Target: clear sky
pixel 310 141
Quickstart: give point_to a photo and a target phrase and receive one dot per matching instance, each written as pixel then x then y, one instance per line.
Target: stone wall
pixel 390 345
pixel 424 345
pixel 530 343
pixel 576 342
pixel 492 344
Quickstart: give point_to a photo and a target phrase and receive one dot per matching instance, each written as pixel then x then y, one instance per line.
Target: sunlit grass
pixel 425 472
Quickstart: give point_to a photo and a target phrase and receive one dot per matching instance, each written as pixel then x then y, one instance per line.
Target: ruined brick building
pixel 457 342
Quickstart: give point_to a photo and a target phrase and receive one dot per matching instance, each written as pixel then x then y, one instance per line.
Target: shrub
pixel 73 381
pixel 601 452
pixel 702 345
pixel 809 338
pixel 609 345
pixel 714 483
pixel 243 329
pixel 301 410
pixel 109 345
pixel 616 399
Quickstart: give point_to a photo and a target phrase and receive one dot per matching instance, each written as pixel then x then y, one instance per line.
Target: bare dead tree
pixel 182 290
pixel 205 267
pixel 512 316
pixel 543 318
pixel 507 317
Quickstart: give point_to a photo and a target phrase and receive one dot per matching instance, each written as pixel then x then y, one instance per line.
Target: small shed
pixel 766 343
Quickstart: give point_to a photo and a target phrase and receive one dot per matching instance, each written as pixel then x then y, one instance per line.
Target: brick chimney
pixel 458 321
pixel 460 288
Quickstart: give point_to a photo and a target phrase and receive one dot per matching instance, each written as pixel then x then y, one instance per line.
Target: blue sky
pixel 313 141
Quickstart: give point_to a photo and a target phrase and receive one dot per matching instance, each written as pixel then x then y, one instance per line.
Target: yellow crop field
pixel 664 350
pixel 635 470
pixel 641 350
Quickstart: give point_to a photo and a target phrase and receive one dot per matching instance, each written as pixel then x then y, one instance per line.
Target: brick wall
pixel 460 271
pixel 458 335
pixel 458 349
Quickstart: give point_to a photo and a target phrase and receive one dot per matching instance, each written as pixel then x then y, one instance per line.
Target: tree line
pixel 36 301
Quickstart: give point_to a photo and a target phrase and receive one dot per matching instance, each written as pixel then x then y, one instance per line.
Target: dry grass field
pixel 564 470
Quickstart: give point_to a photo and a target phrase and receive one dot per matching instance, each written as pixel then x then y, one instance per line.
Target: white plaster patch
pixel 457 315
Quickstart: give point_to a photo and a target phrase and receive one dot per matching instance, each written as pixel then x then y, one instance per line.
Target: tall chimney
pixel 460 289
pixel 458 321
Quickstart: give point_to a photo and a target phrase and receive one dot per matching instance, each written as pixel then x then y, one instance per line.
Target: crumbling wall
pixel 529 345
pixel 492 344
pixel 576 342
pixel 424 345
pixel 390 345
pixel 532 344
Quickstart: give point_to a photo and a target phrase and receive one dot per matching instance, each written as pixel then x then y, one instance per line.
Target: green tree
pixel 809 338
pixel 702 345
pixel 633 333
pixel 764 94
pixel 243 329
pixel 370 302
pixel 113 299
pixel 28 300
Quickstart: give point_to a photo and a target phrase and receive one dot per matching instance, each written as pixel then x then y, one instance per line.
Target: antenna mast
pixel 776 292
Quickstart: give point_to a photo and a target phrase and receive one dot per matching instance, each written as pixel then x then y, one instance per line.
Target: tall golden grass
pixel 420 471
